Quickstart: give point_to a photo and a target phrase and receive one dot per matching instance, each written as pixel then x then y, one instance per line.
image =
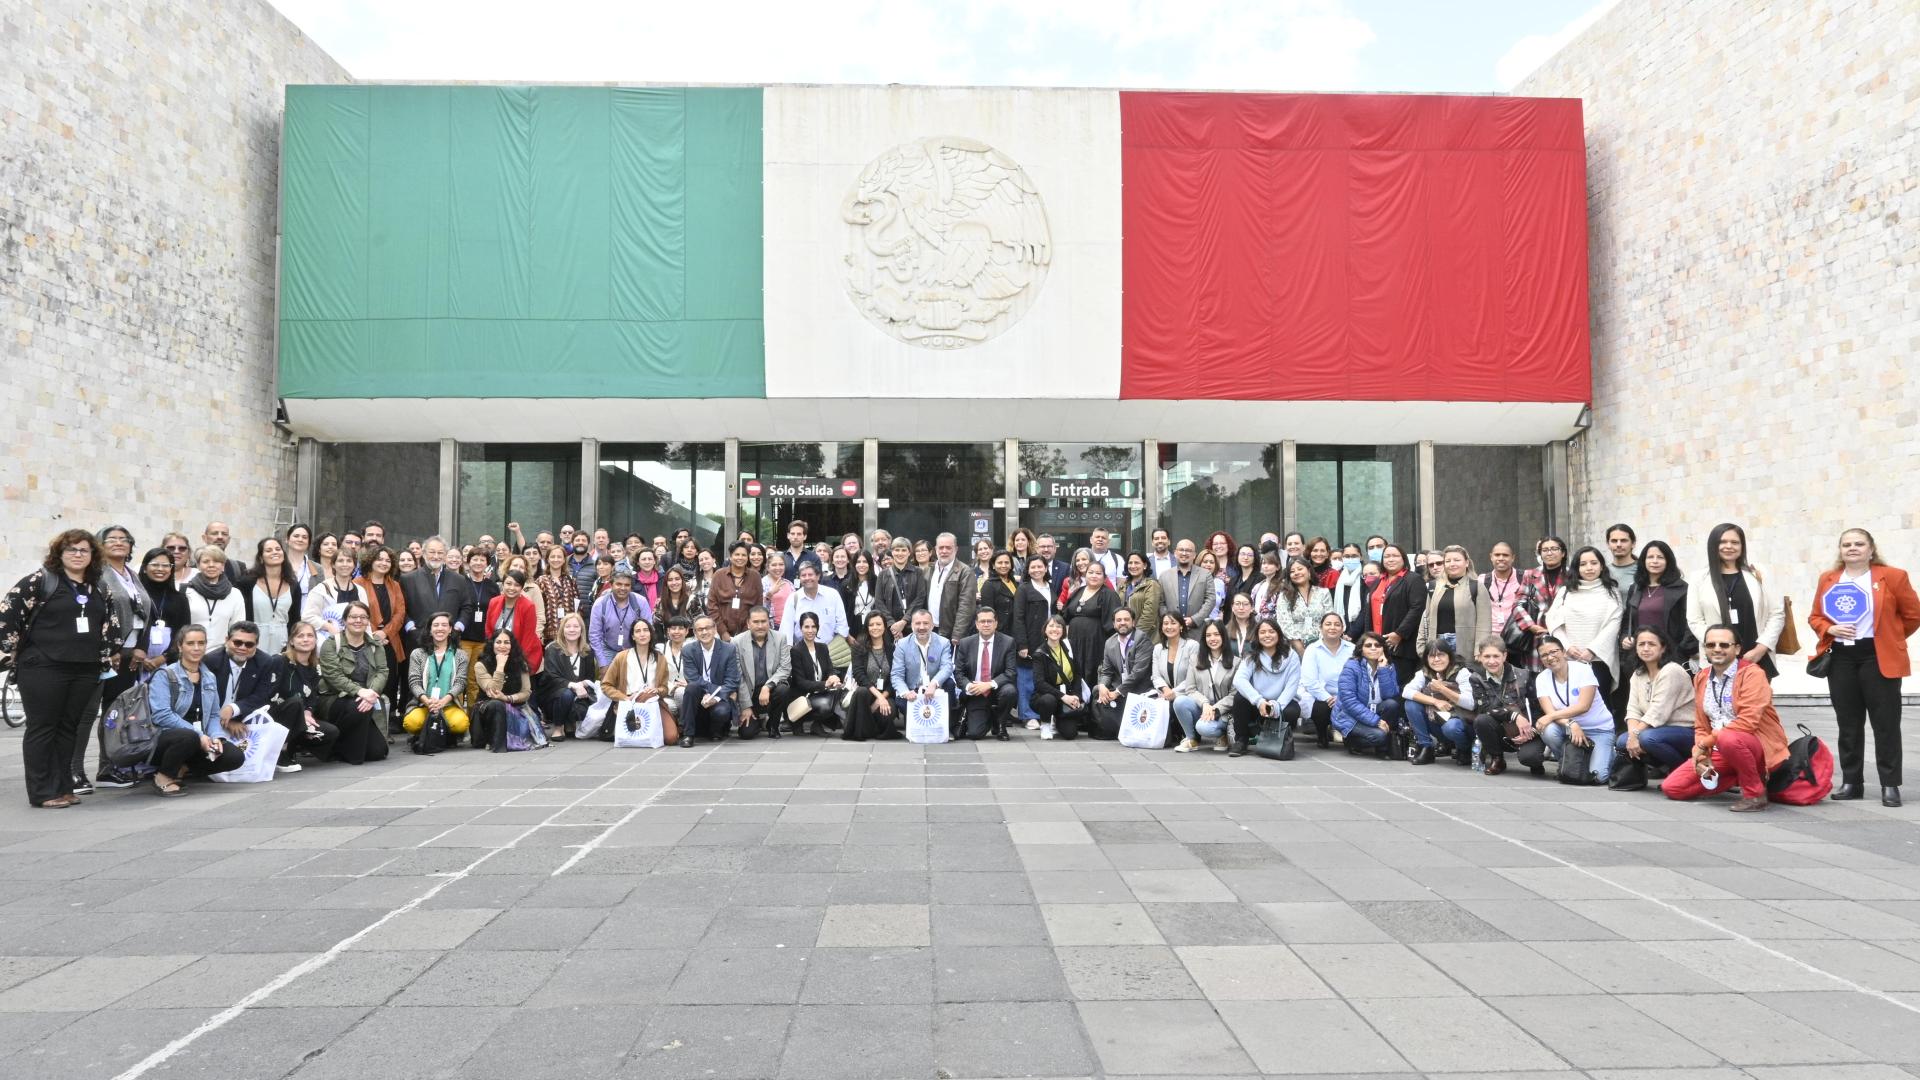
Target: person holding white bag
pixel 638 674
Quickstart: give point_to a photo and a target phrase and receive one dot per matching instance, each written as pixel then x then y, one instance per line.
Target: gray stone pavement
pixel 810 908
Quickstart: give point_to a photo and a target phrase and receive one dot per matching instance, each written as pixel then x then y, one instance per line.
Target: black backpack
pixel 432 736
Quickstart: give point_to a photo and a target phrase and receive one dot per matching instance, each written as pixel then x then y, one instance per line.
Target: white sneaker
pixel 291 766
pixel 1220 743
pixel 1046 730
pixel 1187 746
pixel 1033 725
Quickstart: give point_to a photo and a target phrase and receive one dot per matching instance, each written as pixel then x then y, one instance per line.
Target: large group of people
pixel 1594 661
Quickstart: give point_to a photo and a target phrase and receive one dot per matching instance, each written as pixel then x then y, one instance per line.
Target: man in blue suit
pixel 713 677
pixel 922 663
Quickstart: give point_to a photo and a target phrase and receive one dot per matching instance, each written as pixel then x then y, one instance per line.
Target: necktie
pixel 986 658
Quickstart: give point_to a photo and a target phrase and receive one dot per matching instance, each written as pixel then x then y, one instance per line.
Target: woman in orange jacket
pixel 1864 611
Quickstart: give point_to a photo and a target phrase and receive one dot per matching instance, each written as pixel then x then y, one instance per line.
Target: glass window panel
pixel 933 488
pixel 1347 493
pixel 656 489
pixel 1071 521
pixel 535 484
pixel 1485 494
pixel 396 484
pixel 767 518
pixel 1219 487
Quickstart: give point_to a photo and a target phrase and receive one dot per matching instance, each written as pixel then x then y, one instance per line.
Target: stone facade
pixel 1754 186
pixel 139 160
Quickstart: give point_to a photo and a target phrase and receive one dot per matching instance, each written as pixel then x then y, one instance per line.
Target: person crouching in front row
pixel 1737 737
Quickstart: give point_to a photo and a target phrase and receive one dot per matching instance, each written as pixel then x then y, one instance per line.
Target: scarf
pixel 1347 592
pixel 215 591
pixel 648 583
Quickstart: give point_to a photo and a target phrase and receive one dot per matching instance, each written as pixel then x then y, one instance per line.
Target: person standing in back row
pixel 59 628
pixel 1732 591
pixel 1864 612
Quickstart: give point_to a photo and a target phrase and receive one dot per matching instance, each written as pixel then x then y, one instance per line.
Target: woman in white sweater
pixel 1586 615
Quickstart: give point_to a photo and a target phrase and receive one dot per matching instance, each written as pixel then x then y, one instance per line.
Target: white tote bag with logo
pixel 1143 724
pixel 265 738
pixel 927 719
pixel 636 724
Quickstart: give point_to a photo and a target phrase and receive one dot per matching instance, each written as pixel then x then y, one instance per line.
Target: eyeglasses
pixel 1723 644
pixel 174 547
pixel 77 549
pixel 237 643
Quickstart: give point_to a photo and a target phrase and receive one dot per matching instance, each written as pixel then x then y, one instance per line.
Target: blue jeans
pixel 1216 727
pixel 1459 731
pixel 1666 746
pixel 1416 715
pixel 1023 681
pixel 1187 711
pixel 1555 737
pixel 1364 738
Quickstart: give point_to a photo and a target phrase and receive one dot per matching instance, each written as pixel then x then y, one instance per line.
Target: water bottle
pixel 1476 753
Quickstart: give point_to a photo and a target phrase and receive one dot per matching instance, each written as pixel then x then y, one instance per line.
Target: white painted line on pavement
pixel 588 847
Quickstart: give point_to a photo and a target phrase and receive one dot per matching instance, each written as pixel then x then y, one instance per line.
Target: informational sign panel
pixel 1073 519
pixel 1066 487
pixel 771 487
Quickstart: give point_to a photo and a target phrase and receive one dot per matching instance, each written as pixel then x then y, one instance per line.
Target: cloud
pixel 1226 44
pixel 1531 51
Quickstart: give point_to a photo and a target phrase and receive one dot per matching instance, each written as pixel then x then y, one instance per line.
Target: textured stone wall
pixel 1754 186
pixel 139 149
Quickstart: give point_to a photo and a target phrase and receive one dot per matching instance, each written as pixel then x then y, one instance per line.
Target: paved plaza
pixel 809 908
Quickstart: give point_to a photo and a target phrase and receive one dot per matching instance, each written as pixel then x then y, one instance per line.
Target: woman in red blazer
pixel 1865 625
pixel 515 611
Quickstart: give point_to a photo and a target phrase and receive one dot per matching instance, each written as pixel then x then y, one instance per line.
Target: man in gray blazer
pixel 1125 668
pixel 1187 591
pixel 952 590
pixel 766 671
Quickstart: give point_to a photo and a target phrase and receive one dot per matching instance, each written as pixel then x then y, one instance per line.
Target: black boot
pixel 1424 755
pixel 1846 792
pixel 1889 796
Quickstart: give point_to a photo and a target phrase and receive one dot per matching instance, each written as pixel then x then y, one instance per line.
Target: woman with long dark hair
pixel 271 593
pixel 1398 601
pixel 1733 591
pixel 1659 698
pixel 503 721
pixel 1267 680
pixel 870 715
pixel 1585 617
pixel 859 590
pixel 1032 607
pixel 1656 597
pixel 59 628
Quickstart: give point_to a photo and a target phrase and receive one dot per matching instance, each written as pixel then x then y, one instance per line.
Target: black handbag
pixel 1629 773
pixel 1819 666
pixel 1275 740
pixel 1576 763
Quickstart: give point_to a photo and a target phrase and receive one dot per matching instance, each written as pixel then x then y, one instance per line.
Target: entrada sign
pixel 812 488
pixel 1064 487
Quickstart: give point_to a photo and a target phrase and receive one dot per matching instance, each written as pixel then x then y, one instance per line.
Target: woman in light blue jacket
pixel 193 737
pixel 1268 678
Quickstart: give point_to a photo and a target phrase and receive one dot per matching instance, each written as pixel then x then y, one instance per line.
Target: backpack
pixel 127 731
pixel 1806 777
pixel 432 736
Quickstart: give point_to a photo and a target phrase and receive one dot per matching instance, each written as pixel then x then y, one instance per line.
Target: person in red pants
pixel 1737 737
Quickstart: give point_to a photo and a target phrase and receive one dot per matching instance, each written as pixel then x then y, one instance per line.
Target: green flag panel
pixel 507 241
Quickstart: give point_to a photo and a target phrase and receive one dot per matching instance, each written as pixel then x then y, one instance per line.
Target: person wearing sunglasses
pixel 1738 740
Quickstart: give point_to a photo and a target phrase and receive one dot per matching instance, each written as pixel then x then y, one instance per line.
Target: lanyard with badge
pixel 80 596
pixel 437 670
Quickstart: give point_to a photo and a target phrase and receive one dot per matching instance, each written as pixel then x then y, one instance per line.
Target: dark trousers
pixel 701 722
pixel 292 715
pixel 763 718
pixel 864 720
pixel 1106 718
pixel 58 700
pixel 1861 694
pixel 564 709
pixel 356 731
pixel 1494 743
pixel 988 713
pixel 177 754
pixel 1066 725
pixel 1321 717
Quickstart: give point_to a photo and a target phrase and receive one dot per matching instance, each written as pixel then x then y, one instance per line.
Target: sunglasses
pixel 1723 644
pixel 239 644
pixel 174 547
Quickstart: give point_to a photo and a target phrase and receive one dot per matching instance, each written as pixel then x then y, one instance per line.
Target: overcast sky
pixel 1431 45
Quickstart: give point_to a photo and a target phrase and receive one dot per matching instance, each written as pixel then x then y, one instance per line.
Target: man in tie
pixel 1057 568
pixel 1125 668
pixel 988 696
pixel 1187 591
pixel 713 681
pixel 433 588
pixel 922 663
pixel 952 589
pixel 766 674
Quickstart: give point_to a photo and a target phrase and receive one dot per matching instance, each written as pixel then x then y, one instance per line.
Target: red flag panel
pixel 1353 246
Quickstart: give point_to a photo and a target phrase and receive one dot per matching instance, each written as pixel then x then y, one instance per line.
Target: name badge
pixel 479 615
pixel 435 692
pixel 620 641
pixel 736 603
pixel 1733 616
pixel 81 626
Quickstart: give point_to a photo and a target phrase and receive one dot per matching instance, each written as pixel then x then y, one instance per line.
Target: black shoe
pixel 1537 770
pixel 1423 756
pixel 1463 758
pixel 84 786
pixel 115 778
pixel 686 740
pixel 1889 796
pixel 1238 749
pixel 1847 792
pixel 1001 733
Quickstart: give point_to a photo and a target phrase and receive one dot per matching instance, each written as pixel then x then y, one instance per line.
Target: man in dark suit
pixel 713 678
pixel 953 589
pixel 1125 668
pixel 983 664
pixel 433 588
pixel 242 676
pixel 1057 568
pixel 901 587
